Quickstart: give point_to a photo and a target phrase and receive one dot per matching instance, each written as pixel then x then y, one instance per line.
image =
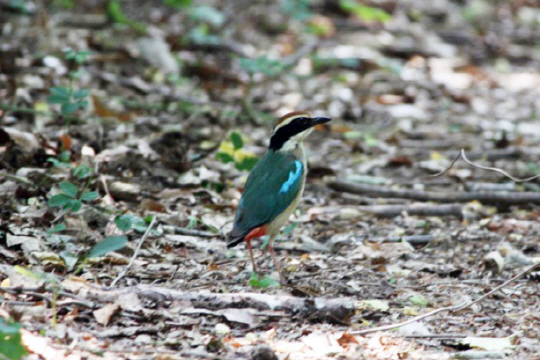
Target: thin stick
pixel 125 271
pixel 521 274
pixel 106 187
pixel 489 168
pixel 453 308
pixel 410 321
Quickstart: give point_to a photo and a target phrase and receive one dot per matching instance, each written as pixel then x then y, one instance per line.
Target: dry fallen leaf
pixel 104 315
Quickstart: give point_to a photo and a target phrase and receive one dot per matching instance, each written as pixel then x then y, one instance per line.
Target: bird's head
pixel 292 128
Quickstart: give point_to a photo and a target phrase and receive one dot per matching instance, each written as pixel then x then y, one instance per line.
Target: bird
pixel 275 185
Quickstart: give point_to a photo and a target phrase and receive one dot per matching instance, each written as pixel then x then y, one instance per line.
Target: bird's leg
pixel 273 255
pixel 248 242
pixel 255 233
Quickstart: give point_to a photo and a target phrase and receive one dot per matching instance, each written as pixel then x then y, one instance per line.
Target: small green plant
pixel 116 15
pixel 364 12
pixel 128 222
pixel 62 161
pixel 232 151
pixel 69 98
pixel 264 282
pixel 125 223
pixel 10 340
pixel 70 197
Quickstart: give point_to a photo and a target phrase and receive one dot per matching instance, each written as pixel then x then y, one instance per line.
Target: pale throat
pixel 295 144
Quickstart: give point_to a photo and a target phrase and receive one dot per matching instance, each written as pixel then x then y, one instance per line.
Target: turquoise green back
pixel 271 187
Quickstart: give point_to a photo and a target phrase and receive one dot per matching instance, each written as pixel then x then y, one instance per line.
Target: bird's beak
pixel 319 120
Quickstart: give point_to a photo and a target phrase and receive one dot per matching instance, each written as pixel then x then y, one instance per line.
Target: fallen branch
pixel 453 308
pixel 192 232
pixel 413 209
pixel 498 197
pixel 392 210
pixel 332 310
pixel 412 239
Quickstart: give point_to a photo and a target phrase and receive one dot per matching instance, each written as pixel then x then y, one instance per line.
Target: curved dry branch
pixel 489 168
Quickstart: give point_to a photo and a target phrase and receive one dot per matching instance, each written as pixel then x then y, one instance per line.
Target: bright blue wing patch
pixel 272 186
pixel 294 176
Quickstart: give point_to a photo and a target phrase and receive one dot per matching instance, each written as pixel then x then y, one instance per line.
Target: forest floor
pixel 127 130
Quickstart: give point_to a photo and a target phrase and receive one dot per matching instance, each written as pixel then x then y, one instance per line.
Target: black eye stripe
pixel 285 132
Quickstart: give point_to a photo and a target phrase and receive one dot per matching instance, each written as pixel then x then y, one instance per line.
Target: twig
pixel 106 187
pixel 504 284
pixel 413 209
pixel 412 239
pixel 489 168
pixel 453 308
pixel 498 197
pixel 193 232
pixel 125 271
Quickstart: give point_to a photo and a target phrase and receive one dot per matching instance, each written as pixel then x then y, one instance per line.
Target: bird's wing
pixel 271 187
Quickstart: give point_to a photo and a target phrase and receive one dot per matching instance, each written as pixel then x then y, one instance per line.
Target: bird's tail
pixel 235 237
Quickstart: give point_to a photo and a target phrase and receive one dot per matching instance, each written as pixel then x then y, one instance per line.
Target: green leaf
pixel 365 13
pixel 297 9
pixel 287 230
pixel 69 108
pixel 69 189
pixel 237 141
pixel 112 243
pixel 55 99
pixel 65 156
pixel 177 3
pixel 69 258
pixel 80 94
pixel 137 223
pixel 247 163
pixel 419 300
pixel 10 341
pixel 58 200
pixel 60 91
pixel 123 222
pixel 57 228
pixel 81 56
pixel 74 205
pixel 115 12
pixel 224 157
pixel 82 171
pixel 69 54
pixel 82 104
pixel 265 282
pixel 89 196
